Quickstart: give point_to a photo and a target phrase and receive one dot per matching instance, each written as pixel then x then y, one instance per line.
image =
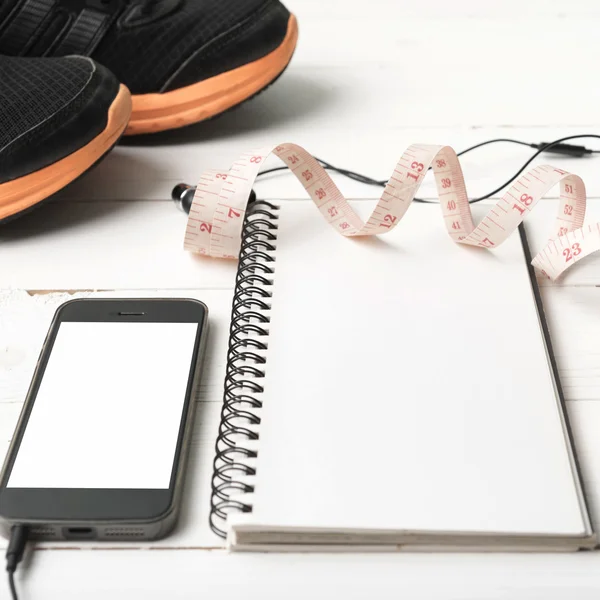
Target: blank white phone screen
pixel 109 407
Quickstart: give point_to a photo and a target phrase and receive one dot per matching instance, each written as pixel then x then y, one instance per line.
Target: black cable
pixel 557 146
pixel 183 194
pixel 11 584
pixel 495 140
pixel 19 535
pixel 347 173
pixel 544 148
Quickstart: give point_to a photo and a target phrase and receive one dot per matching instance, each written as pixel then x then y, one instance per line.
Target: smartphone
pixel 99 451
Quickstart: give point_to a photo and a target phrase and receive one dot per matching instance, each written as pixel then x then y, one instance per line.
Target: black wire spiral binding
pixel 241 402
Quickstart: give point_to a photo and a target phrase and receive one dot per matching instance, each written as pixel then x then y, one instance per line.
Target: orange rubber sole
pixel 206 99
pixel 21 194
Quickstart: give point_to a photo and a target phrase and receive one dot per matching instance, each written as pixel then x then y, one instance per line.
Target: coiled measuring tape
pixel 217 213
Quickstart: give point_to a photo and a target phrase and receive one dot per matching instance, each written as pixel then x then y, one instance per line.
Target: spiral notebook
pixel 391 393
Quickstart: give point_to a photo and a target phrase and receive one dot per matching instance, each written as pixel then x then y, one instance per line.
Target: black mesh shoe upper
pixel 150 45
pixel 49 108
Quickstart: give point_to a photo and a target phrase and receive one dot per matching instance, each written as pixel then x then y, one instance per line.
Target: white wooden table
pixel 369 78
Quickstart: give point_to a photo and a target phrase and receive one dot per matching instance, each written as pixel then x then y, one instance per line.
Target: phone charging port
pixel 79 533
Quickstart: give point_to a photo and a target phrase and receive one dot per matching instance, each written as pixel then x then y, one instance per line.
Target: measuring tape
pixel 217 213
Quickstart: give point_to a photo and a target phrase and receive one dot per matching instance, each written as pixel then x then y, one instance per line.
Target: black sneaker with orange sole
pixel 183 60
pixel 58 118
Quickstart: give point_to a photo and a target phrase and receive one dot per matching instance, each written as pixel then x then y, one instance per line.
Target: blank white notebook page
pixel 408 387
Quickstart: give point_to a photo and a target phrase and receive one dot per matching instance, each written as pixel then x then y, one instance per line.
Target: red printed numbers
pixel 221 176
pixel 412 176
pixel 307 175
pixel 256 159
pixel 562 231
pixel 440 163
pixel 389 220
pixel 332 211
pixel 417 166
pixel 320 193
pixel 486 243
pixel 233 213
pixel 568 188
pixel 572 252
pixel 451 205
pixel 446 183
pixel 206 227
pixel 293 159
pixel 568 210
pixel 344 225
pixel 455 225
pixel 526 200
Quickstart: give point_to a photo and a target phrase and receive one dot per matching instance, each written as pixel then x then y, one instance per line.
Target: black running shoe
pixel 183 60
pixel 58 117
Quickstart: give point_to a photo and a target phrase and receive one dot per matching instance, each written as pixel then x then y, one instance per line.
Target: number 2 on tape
pixel 217 212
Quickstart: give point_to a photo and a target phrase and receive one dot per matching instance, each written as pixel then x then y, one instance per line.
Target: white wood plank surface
pixel 368 79
pixel 105 245
pixel 179 575
pixel 148 169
